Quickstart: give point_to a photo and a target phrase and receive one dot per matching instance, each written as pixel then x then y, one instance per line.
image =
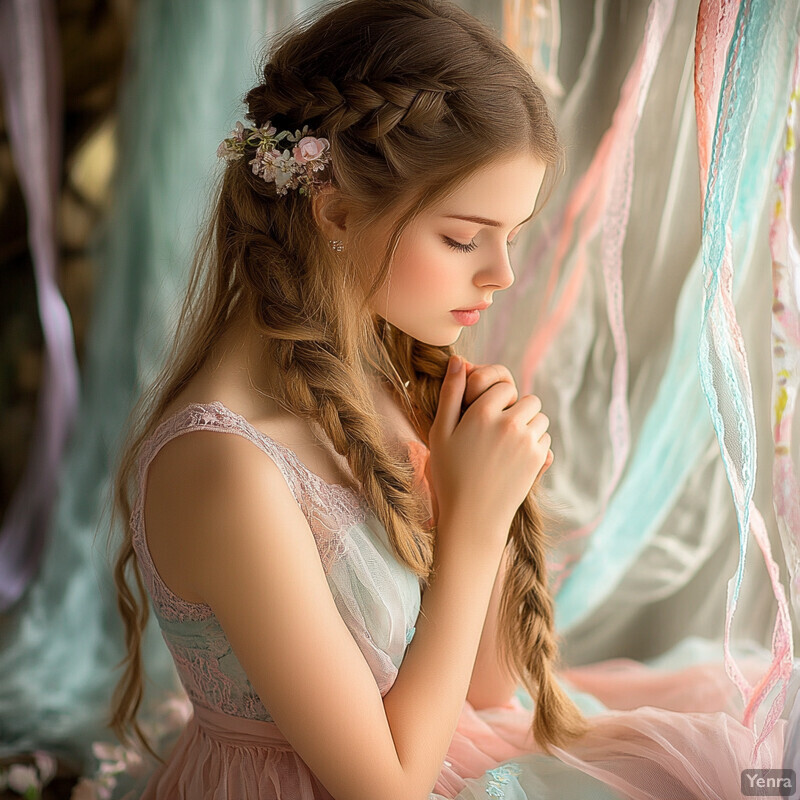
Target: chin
pixel 441 339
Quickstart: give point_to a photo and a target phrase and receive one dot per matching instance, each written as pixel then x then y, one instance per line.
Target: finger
pixel 448 410
pixel 483 377
pixel 548 461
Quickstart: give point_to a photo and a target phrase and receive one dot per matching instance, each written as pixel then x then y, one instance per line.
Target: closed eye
pixel 464 248
pixel 470 246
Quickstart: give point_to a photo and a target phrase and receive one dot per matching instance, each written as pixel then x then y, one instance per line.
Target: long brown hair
pixel 413 95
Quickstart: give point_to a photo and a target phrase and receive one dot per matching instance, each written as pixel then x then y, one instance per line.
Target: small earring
pixel 336 244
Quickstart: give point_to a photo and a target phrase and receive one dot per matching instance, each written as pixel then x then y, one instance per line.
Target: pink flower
pixel 21 777
pixel 89 789
pixel 105 751
pixel 46 765
pixel 309 148
pixel 135 764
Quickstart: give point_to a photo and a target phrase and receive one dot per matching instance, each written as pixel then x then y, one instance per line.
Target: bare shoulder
pixel 194 474
pixel 203 483
pixel 251 555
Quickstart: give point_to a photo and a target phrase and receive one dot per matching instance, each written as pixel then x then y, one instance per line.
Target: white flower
pixel 287 169
pixel 22 777
pixel 268 130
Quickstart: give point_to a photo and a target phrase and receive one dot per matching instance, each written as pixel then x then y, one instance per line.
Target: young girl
pixel 353 585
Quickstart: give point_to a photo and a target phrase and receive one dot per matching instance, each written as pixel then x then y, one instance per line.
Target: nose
pixel 500 273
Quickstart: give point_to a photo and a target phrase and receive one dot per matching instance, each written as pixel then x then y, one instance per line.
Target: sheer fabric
pixel 680 735
pixel 667 544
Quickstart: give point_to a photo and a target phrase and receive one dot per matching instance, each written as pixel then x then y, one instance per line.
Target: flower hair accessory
pixel 287 169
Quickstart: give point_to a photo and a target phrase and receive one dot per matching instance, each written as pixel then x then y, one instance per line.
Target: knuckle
pixel 534 401
pixel 504 372
pixel 542 440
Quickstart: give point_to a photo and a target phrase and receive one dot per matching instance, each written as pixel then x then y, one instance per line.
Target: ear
pixel 330 213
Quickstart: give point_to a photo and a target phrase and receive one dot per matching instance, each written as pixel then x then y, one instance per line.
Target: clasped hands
pixel 479 378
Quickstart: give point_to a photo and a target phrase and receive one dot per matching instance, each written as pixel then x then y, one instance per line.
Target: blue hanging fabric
pixel 754 92
pixel 669 516
pixel 187 71
pixel 188 68
pixel 673 430
pixel 658 464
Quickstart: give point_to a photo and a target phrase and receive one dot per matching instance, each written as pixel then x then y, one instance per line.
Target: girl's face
pixel 456 254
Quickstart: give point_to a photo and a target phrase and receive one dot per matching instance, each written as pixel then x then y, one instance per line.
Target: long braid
pixel 319 382
pixel 322 382
pixel 374 108
pixel 528 641
pixel 413 95
pixel 320 386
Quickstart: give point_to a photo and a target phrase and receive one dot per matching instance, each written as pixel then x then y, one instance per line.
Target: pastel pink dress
pixel 659 734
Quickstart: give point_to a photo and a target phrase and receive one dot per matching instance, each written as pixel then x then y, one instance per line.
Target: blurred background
pixel 110 117
pixel 93 41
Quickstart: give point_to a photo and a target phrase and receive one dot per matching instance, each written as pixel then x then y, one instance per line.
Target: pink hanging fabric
pixel 786 347
pixel 719 30
pixel 600 204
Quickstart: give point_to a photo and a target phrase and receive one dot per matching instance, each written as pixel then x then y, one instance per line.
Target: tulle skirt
pixel 222 757
pixel 655 735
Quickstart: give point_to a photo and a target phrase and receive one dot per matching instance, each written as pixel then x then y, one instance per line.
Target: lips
pixel 478 307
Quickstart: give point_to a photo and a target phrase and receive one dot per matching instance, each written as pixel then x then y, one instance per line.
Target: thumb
pixel 448 410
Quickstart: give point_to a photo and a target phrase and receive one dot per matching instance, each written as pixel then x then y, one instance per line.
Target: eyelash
pixel 468 248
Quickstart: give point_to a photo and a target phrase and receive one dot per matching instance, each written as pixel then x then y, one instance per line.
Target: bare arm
pixel 250 554
pixel 428 695
pixel 490 685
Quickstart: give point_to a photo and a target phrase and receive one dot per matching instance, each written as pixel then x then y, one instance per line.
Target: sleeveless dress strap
pixel 330 508
pixel 216 416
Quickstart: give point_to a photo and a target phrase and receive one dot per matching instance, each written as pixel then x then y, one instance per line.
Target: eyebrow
pixel 482 220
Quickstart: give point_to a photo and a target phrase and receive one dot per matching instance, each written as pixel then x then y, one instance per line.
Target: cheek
pixel 422 272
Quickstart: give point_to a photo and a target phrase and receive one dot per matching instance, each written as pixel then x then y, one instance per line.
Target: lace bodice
pixel 377 596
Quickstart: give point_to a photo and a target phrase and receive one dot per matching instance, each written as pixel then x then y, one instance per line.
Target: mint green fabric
pixel 189 65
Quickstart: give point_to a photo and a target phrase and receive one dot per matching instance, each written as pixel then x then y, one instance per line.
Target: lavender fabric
pixel 30 67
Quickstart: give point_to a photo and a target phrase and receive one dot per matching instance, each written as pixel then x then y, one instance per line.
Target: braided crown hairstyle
pixel 413 96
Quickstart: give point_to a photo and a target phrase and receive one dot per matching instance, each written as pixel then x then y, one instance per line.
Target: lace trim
pixel 207 685
pixel 331 508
